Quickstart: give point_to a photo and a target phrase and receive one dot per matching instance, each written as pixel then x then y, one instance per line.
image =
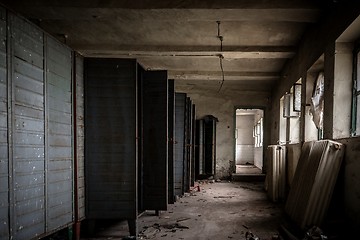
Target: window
pixel 292 102
pixel 297 97
pixel 317 104
pixel 355 120
pixel 258 133
pixel 291 109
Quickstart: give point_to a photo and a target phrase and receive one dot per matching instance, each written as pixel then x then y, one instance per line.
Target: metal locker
pixel 79 146
pixel 199 150
pixel 28 186
pixel 171 136
pixel 59 154
pixel 179 147
pixel 187 157
pixel 155 140
pixel 210 144
pixel 4 141
pixel 111 129
pixel 36 177
pixel 193 140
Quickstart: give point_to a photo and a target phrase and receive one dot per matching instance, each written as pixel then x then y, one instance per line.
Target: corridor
pixel 220 210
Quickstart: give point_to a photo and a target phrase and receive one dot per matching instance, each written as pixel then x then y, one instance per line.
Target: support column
pixel 329 59
pixel 338 90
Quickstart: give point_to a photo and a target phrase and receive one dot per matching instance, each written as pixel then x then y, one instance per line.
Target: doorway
pixel 249 140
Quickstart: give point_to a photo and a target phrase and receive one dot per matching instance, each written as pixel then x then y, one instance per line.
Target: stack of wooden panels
pixel 314 181
pixel 276 172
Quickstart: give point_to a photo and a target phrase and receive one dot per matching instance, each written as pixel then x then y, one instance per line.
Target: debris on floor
pixel 236 209
pixel 223 196
pixel 182 219
pixel 156 230
pixel 250 236
pixel 196 188
pixel 315 233
pixel 127 238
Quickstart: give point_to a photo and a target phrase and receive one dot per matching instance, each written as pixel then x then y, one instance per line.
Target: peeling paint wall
pixel 222 105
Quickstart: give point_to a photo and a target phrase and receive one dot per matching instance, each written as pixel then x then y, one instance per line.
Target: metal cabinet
pixel 154 95
pixel 171 137
pixel 36 131
pixel 206 146
pixel 179 147
pixel 4 122
pixel 111 143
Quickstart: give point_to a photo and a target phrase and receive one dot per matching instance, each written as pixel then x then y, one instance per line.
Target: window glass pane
pixel 297 97
pixel 287 102
pixel 282 123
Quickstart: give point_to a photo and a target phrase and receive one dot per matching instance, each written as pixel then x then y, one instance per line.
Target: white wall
pixel 245 139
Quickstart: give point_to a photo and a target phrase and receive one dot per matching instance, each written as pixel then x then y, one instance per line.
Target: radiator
pixel 293 152
pixel 276 172
pixel 314 181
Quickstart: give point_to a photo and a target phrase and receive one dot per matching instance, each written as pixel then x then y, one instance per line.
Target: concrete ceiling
pixel 181 36
pixel 249 112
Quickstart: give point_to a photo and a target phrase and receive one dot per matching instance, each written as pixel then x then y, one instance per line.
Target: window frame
pixel 355 91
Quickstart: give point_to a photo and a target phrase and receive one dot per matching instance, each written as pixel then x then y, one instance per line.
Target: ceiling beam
pixel 165 4
pixel 188 51
pixel 217 75
pixel 170 15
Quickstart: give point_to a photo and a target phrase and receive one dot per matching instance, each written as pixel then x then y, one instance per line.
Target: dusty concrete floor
pixel 221 210
pixel 247 169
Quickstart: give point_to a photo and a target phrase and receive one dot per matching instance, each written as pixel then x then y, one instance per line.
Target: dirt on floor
pixel 220 210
